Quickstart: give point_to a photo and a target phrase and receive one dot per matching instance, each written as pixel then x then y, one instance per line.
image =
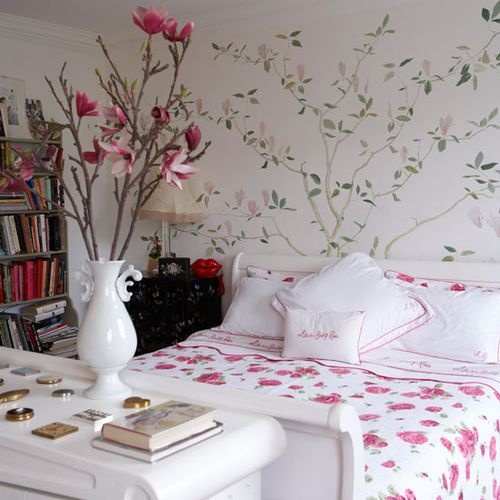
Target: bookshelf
pixel 33 248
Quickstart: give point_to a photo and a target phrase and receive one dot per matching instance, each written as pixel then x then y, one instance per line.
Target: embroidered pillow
pixel 251 312
pixel 266 274
pixel 324 335
pixel 356 283
pixel 465 325
pixel 409 281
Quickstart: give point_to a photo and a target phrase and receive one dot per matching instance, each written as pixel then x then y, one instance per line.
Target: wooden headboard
pixel 467 272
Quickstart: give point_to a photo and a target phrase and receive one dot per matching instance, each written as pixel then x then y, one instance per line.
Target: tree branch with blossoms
pixel 144 145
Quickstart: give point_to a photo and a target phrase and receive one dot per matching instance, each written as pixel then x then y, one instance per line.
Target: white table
pixel 226 466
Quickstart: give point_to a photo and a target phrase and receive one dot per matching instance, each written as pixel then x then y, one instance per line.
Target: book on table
pixel 159 425
pixel 165 451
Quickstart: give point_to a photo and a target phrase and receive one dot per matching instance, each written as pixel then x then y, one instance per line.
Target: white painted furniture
pixel 224 467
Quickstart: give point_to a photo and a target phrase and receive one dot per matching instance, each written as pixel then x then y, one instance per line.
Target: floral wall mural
pixel 387 145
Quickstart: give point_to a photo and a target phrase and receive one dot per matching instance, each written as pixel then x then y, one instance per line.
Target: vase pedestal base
pixel 107 384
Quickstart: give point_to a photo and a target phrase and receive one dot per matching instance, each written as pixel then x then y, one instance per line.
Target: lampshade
pixel 172 205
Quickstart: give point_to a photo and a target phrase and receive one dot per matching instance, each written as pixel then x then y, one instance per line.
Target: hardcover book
pixel 153 456
pixel 160 425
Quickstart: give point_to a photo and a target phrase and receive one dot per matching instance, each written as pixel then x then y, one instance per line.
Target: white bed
pixel 327 447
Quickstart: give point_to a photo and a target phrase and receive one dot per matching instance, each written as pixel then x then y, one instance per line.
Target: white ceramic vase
pixel 106 340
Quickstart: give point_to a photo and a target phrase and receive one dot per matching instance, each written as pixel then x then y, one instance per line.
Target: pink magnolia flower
pixel 170 31
pixel 332 398
pixel 174 169
pixel 214 378
pixel 445 124
pixel 300 72
pixel 161 114
pixel 471 390
pixel 401 406
pixel 263 51
pixel 373 440
pixel 266 197
pixel 476 216
pixel 114 114
pixel 453 476
pixel 97 156
pixel 193 137
pixel 268 382
pixel 253 208
pixel 426 66
pixel 121 157
pixel 151 20
pixel 240 196
pixel 84 107
pixel 412 437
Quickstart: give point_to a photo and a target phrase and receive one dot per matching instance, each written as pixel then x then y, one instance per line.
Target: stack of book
pixel 158 431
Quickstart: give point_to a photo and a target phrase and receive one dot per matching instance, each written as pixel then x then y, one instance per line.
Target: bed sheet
pixel 431 427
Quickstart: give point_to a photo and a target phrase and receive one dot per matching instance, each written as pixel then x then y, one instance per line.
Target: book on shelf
pixel 44 307
pixel 162 452
pixel 160 425
pixel 39 317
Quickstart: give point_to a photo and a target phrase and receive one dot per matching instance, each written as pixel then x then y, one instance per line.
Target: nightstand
pixel 167 310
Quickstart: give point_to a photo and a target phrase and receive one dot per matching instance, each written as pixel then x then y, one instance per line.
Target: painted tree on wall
pixel 343 205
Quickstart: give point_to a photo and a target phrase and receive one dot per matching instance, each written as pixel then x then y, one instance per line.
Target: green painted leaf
pixel 296 43
pixel 442 145
pixel 239 95
pixel 295 33
pixel 448 258
pixel 488 166
pixel 229 124
pixel 450 249
pixel 316 178
pixel 281 36
pixel 264 232
pixel 267 66
pixel 314 192
pixel 428 87
pixel 335 192
pixel 403 118
pixel 347 185
pixel 282 202
pixel 496 9
pixel 327 123
pixel 479 159
pixel 405 62
pixel 493 114
pixel 389 75
pixel 274 197
pixel 411 169
pixel 215 46
pixel 385 21
pixel 485 13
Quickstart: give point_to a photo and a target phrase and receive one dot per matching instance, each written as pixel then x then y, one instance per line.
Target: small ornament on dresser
pixel 174 267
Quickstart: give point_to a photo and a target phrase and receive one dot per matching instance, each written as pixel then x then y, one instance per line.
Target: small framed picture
pixel 174 267
pixel 13 94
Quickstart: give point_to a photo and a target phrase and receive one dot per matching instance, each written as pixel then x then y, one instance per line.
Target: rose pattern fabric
pixel 423 438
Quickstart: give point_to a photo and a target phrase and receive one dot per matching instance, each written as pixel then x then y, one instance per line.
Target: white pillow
pixel 465 326
pixel 267 274
pixel 251 312
pixel 356 283
pixel 324 335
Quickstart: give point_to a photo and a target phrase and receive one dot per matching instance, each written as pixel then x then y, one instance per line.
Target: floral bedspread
pixel 431 428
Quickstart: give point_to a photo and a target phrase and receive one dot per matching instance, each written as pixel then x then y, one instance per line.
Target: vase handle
pixel 84 276
pixel 122 283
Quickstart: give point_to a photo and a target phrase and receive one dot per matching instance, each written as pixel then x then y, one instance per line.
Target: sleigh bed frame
pixel 324 458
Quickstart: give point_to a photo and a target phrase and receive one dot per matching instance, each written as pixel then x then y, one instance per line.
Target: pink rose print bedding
pixel 431 428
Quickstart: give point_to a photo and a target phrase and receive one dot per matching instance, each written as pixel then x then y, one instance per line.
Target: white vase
pixel 106 340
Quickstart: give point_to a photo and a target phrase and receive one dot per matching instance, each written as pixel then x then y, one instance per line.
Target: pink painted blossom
pixel 164 366
pixel 269 382
pixel 263 51
pixel 373 440
pixel 445 124
pixel 161 114
pixel 253 208
pixel 240 196
pixel 367 86
pixel 308 370
pixel 401 406
pixel 262 128
pixel 409 495
pixel 151 20
pixel 233 357
pixel 375 389
pixel 404 153
pixel 208 186
pixel 266 197
pixel 229 226
pixel 283 373
pixel 429 423
pixel 255 369
pixel 446 443
pixel 412 437
pixel 226 105
pixel 95 157
pixel 434 409
pixel 295 387
pixel 476 216
pixel 332 398
pixel 426 66
pixel 355 82
pixel 122 158
pixel 457 287
pixel 85 107
pixel 272 143
pixel 368 416
pixel 389 464
pixel 471 390
pixel 199 105
pixel 170 31
pixel 493 449
pixel 214 378
pixel 405 277
pixel 444 481
pixel 193 137
pixel 300 72
pixel 453 476
pixel 339 370
pixel 341 68
pixel 433 392
pixel 174 169
pixel 467 468
pixel 410 394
